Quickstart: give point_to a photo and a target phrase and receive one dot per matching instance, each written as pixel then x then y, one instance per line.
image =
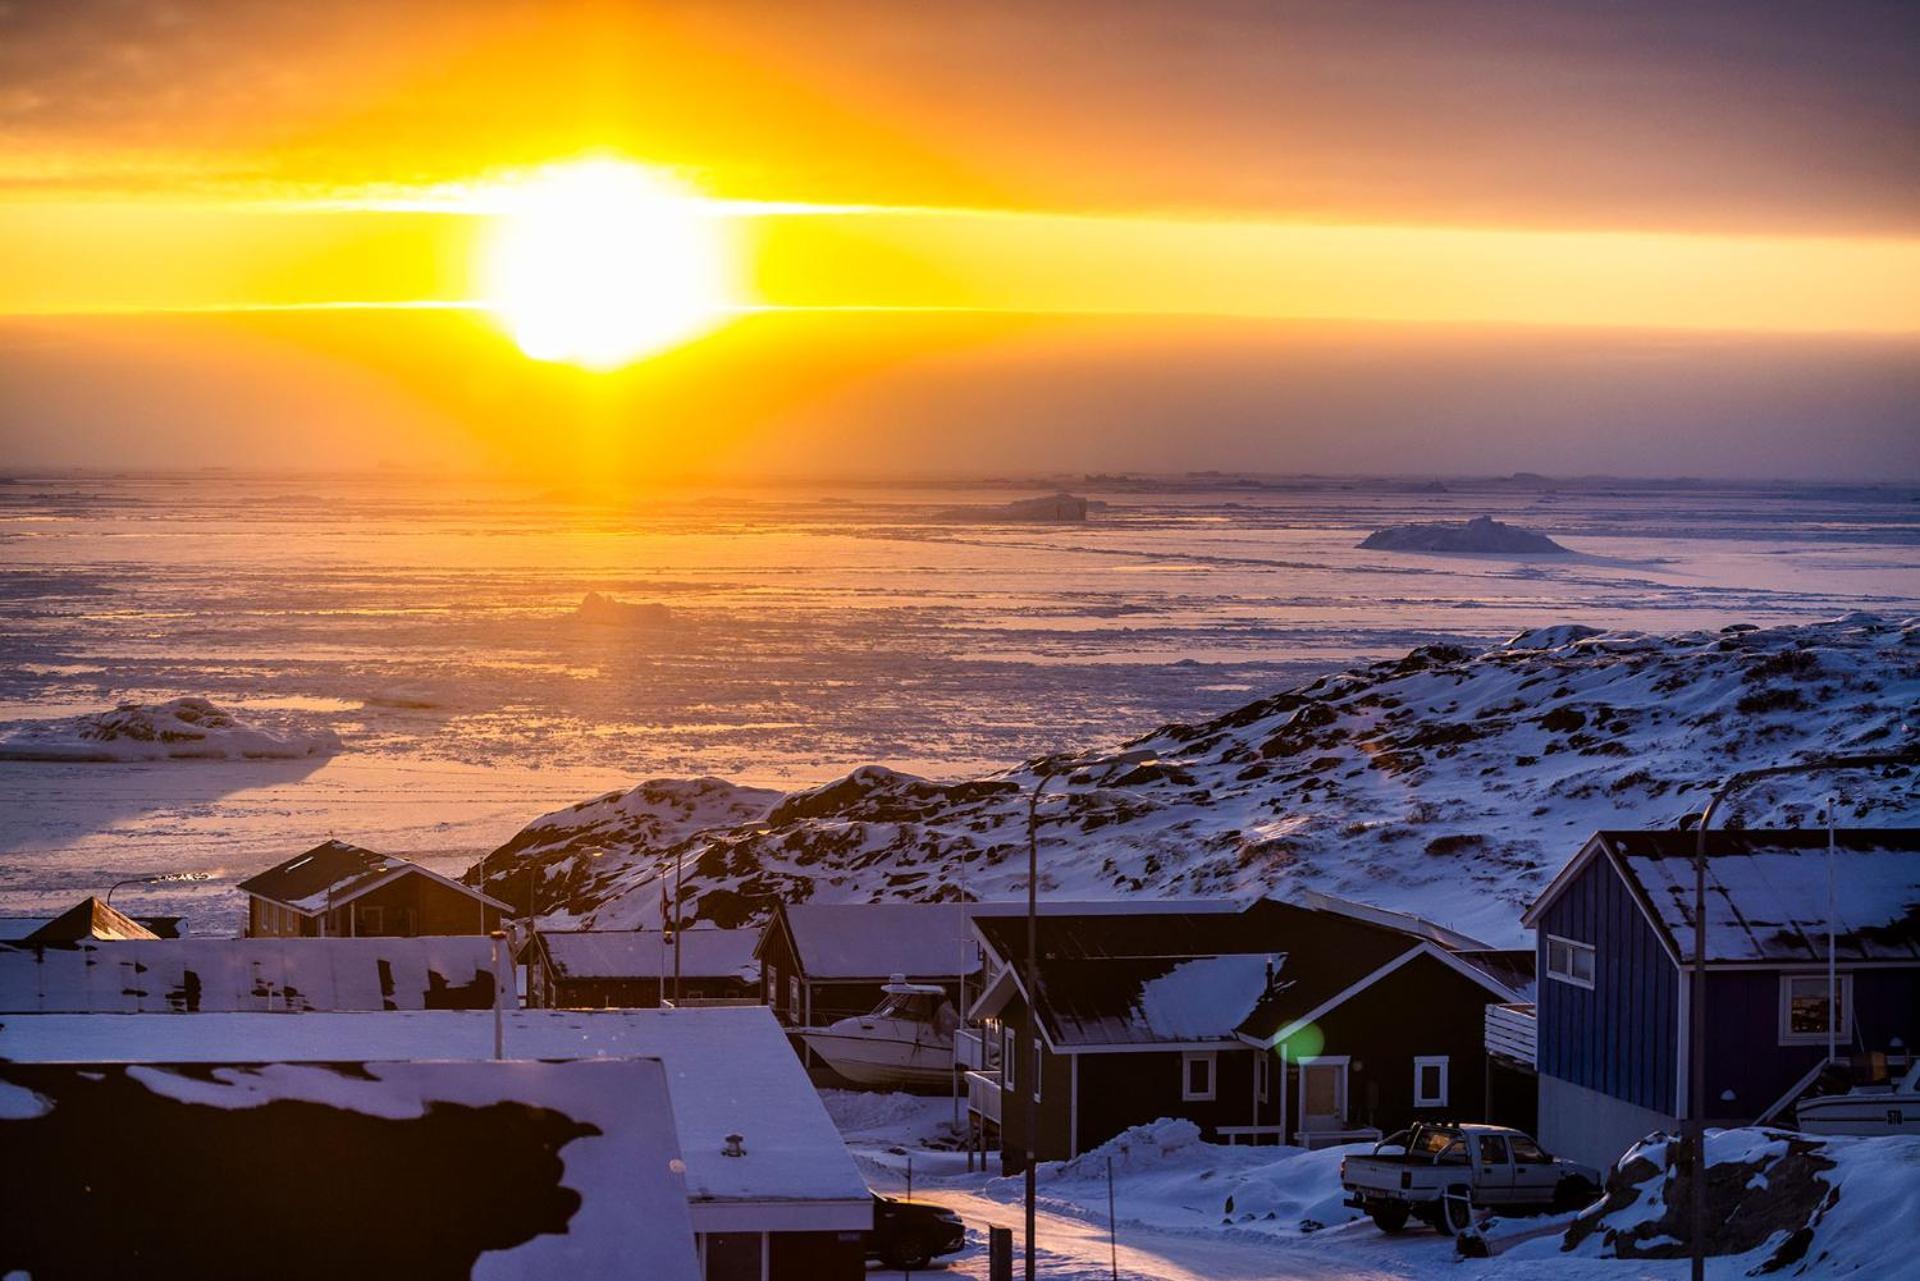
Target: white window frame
pixel 1009 1057
pixel 1570 975
pixel 1187 1059
pixel 1421 1062
pixel 1842 1034
pixel 1262 1076
pixel 795 1007
pixel 1039 1066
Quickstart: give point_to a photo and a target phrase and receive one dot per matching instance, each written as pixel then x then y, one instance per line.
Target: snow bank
pixel 1481 534
pixel 179 729
pixel 1777 1201
pixel 1165 1175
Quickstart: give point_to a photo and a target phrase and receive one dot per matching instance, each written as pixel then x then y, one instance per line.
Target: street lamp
pixel 162 878
pixel 1051 768
pixel 1697 981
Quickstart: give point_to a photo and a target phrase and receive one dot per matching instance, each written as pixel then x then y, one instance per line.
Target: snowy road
pixel 1074 1249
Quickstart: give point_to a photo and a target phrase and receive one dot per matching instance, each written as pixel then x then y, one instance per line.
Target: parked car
pixel 911 1234
pixel 1440 1174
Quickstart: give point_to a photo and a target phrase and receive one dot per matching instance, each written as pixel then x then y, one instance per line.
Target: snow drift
pixel 1783 1202
pixel 1167 1176
pixel 1451 782
pixel 1482 534
pixel 179 729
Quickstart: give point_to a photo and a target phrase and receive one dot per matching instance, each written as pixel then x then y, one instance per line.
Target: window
pixel 794 1009
pixel 1527 1152
pixel 1493 1149
pixel 1570 962
pixel 1008 1058
pixel 372 920
pixel 1430 1081
pixel 1262 1076
pixel 1039 1065
pixel 1805 1009
pixel 773 985
pixel 1196 1076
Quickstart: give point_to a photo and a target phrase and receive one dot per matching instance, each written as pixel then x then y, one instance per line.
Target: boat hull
pixel 883 1061
pixel 1862 1115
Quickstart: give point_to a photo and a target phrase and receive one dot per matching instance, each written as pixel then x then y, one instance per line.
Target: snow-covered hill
pixel 1450 782
pixel 178 729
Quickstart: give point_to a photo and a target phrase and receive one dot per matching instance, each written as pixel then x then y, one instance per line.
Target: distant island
pixel 609 611
pixel 1050 509
pixel 1481 534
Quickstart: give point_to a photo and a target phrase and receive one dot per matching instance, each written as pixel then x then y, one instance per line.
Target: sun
pixel 601 262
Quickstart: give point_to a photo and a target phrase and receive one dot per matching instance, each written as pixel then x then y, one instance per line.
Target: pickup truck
pixel 1440 1174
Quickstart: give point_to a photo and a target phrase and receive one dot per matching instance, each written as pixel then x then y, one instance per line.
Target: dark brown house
pixel 337 890
pixel 634 969
pixel 1282 1022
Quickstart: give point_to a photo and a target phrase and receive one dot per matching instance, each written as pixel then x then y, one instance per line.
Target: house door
pixel 1323 1094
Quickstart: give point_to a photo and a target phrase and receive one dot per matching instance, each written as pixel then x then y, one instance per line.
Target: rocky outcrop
pixel 1451 781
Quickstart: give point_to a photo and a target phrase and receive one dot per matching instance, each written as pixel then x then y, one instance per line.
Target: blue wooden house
pixel 1614 935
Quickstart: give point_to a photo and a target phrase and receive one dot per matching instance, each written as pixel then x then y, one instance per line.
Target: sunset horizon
pixel 1075 640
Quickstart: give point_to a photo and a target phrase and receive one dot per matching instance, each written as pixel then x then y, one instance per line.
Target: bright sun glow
pixel 600 263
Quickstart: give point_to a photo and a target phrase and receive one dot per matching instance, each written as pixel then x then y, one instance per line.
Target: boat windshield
pixel 914 1007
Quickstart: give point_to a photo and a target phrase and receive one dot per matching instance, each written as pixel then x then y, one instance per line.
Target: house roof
pixel 1767 892
pixel 729 1069
pixel 205 974
pixel 626 954
pixel 1177 977
pixel 927 940
pixel 90 918
pixel 356 1136
pixel 15 928
pixel 335 872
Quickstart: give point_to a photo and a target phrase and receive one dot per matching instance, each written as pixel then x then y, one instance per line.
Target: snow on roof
pixel 616 954
pixel 335 872
pixel 1174 976
pixel 267 975
pixel 579 1180
pixel 729 1069
pixel 1767 891
pixel 876 940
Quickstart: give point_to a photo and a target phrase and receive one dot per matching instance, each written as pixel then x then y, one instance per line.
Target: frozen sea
pixel 433 626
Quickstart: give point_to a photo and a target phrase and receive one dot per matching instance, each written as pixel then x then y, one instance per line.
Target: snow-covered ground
pixel 1451 782
pixel 435 629
pixel 1186 1210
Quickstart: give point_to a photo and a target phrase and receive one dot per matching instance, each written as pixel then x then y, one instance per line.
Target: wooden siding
pixel 1423 1008
pixel 1744 1053
pixel 1119 1090
pixel 1619 1038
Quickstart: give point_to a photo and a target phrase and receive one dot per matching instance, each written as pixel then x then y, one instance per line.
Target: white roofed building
pixel 791 1199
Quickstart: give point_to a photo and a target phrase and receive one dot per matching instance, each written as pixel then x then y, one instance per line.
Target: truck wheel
pixel 1390 1216
pixel 1573 1193
pixel 1456 1212
pixel 909 1251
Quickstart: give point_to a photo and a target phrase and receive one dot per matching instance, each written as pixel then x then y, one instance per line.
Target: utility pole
pixel 1696 1128
pixel 1050 769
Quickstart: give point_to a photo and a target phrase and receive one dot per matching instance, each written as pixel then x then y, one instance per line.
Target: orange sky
pixel 1484 166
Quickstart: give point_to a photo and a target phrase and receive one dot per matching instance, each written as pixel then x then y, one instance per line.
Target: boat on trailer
pixel 1890 1107
pixel 906 1040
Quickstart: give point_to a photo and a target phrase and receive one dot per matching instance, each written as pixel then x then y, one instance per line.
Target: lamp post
pixel 1051 768
pixel 1697 980
pixel 162 878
